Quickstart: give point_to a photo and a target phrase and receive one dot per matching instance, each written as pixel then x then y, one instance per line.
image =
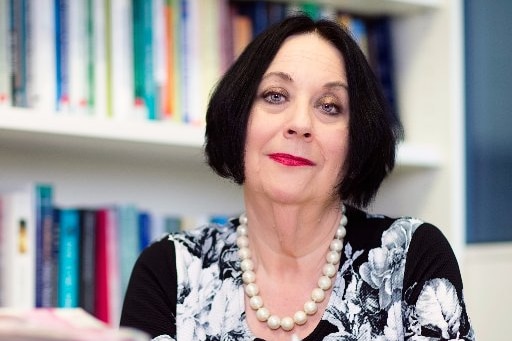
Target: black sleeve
pixel 432 273
pixel 430 256
pixel 150 301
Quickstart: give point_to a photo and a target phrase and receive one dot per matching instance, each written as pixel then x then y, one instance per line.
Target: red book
pixel 108 298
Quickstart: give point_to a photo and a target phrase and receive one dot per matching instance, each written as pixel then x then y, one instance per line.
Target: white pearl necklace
pixel 300 317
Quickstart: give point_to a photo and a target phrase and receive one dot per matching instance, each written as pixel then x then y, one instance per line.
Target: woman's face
pixel 297 135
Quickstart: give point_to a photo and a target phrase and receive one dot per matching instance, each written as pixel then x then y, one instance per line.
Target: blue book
pixel 61 53
pixel 44 252
pixel 128 236
pixel 144 230
pixel 69 254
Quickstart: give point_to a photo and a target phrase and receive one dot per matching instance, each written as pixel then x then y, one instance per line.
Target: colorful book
pixel 19 38
pixel 145 230
pixel 17 223
pixel 69 254
pixel 108 295
pixel 44 228
pixel 128 233
pixel 62 54
pixel 144 82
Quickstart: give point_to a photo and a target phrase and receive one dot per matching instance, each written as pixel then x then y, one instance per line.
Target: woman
pixel 300 122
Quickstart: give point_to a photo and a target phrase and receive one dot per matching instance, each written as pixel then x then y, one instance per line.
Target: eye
pixel 330 105
pixel 275 96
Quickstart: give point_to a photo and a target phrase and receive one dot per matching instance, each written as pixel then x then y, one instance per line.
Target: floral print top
pixel 398 280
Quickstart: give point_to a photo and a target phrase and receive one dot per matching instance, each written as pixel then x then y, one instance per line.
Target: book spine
pixel 5 51
pixel 42 64
pixel 18 249
pixel 167 88
pixel 101 269
pixel 69 256
pixel 87 258
pixel 128 233
pixel 18 26
pixel 145 228
pixel 77 28
pixel 100 61
pixel 89 24
pixel 44 225
pixel 122 56
pixel 62 54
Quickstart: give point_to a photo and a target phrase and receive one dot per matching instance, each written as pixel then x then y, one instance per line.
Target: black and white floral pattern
pixel 367 302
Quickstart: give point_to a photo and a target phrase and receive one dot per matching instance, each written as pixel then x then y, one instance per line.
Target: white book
pixel 100 60
pixel 77 28
pixel 123 100
pixel 192 72
pixel 5 89
pixel 18 248
pixel 43 81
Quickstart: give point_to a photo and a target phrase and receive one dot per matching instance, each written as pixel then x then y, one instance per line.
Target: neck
pixel 291 238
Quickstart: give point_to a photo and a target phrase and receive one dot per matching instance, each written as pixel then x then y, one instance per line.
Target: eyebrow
pixel 286 77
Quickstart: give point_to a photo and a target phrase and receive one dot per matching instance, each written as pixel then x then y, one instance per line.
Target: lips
pixel 291 160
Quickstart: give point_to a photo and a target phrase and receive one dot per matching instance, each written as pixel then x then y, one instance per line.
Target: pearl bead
pixel 324 283
pixel 242 241
pixel 287 323
pixel 344 220
pixel 244 253
pixel 256 302
pixel 243 219
pixel 252 289
pixel 262 314
pixel 333 257
pixel 341 232
pixel 336 245
pixel 310 307
pixel 300 317
pixel 318 295
pixel 274 322
pixel 242 230
pixel 329 270
pixel 247 265
pixel 248 277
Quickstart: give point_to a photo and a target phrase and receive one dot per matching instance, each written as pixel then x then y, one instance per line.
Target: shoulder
pixel 366 231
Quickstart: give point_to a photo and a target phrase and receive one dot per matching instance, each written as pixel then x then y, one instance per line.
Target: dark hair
pixel 373 132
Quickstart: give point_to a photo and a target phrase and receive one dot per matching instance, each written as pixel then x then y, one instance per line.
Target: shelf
pixel 164 142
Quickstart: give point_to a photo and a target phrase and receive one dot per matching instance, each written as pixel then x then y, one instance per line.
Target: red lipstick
pixel 290 160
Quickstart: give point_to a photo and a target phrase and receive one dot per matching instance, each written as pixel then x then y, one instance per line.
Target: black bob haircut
pixel 374 130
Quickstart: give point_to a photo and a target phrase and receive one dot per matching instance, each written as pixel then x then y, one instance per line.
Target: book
pixel 52 324
pixel 42 80
pixel 99 64
pixel 77 57
pixel 44 225
pixel 62 54
pixel 69 253
pixel 87 258
pixel 123 100
pixel 19 38
pixel 128 242
pixel 108 297
pixel 380 51
pixel 5 59
pixel 17 223
pixel 143 63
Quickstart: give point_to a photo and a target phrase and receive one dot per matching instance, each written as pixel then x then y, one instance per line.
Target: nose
pixel 299 124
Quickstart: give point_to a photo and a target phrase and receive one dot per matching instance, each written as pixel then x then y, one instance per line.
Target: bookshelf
pixel 158 140
pixel 159 165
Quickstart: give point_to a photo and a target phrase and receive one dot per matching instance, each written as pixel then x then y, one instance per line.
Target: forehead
pixel 308 53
